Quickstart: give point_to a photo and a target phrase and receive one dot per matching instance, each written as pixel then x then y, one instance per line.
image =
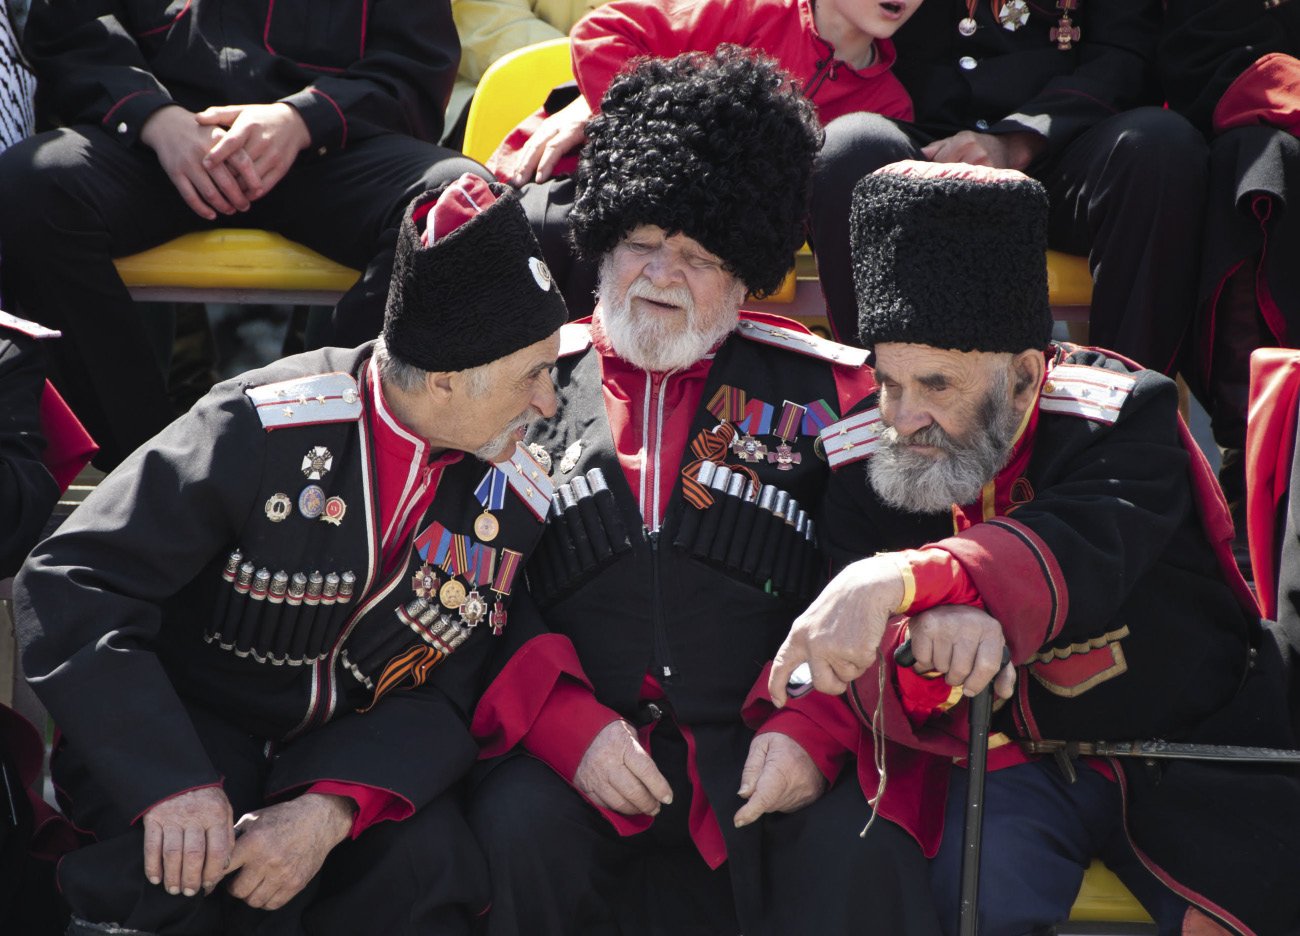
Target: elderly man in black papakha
pixel 1013 492
pixel 625 793
pixel 279 609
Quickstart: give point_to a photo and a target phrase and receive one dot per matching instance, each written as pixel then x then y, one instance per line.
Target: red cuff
pixel 1268 92
pixel 373 803
pixel 565 726
pixel 939 579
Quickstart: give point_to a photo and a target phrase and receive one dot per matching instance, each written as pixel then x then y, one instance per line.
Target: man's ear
pixel 440 384
pixel 1027 369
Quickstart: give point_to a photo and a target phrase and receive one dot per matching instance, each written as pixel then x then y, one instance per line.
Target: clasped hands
pixel 191 843
pixel 222 159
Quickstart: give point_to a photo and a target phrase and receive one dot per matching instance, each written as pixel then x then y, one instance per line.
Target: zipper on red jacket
pixel 825 71
pixel 652 431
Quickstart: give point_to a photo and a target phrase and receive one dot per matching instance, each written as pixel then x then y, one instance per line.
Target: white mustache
pixel 679 296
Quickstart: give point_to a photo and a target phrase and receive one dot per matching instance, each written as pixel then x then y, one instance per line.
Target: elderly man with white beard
pixel 1012 492
pixel 616 796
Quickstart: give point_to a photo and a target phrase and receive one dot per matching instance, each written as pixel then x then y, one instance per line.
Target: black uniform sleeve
pixel 27 490
pixel 88 601
pixel 1114 72
pixel 1207 44
pixel 401 83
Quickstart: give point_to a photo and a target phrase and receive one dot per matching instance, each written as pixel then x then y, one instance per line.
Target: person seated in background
pixel 1233 69
pixel 1066 92
pixel 262 635
pixel 320 127
pixel 1009 492
pixel 837 52
pixel 620 793
pixel 489 29
pixel 42 444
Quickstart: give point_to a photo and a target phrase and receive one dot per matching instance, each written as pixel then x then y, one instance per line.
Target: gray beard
pixel 916 483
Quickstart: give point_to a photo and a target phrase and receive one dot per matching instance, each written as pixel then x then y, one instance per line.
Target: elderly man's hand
pixel 779 776
pixel 556 136
pixel 188 841
pixel 616 773
pixel 839 635
pixel 965 644
pixel 282 847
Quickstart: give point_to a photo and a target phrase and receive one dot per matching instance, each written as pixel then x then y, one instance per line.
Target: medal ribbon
pixel 491 491
pixel 708 445
pixel 484 561
pixel 728 404
pixel 818 416
pixel 415 662
pixel 505 577
pixel 787 427
pixel 758 418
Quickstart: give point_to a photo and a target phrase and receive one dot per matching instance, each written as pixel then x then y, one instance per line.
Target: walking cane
pixel 981 711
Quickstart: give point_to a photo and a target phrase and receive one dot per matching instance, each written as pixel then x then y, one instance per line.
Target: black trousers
pixel 73 199
pixel 559 869
pixel 421 877
pixel 1129 194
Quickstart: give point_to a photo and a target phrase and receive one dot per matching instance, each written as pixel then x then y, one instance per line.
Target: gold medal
pixel 486 527
pixel 1013 15
pixel 452 594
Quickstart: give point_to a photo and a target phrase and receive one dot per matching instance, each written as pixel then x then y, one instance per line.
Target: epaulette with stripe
pixel 528 479
pixel 1091 392
pixel 575 337
pixel 802 343
pixel 24 327
pixel 307 401
pixel 851 439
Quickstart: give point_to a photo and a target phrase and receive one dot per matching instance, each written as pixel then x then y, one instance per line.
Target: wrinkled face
pixel 879 19
pixel 495 404
pixel 665 300
pixel 951 420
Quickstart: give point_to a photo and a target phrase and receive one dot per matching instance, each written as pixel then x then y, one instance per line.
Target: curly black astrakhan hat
pixel 718 147
pixel 469 282
pixel 952 256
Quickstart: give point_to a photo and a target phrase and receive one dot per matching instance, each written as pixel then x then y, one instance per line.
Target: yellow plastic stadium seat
pixel 1103 899
pixel 513 87
pixel 236 265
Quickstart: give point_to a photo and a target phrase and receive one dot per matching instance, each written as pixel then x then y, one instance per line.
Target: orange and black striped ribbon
pixel 415 663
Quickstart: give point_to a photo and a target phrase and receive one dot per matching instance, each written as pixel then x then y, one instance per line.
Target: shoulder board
pixel 575 337
pixel 307 401
pixel 802 343
pixel 24 327
pixel 1090 392
pixel 529 481
pixel 851 439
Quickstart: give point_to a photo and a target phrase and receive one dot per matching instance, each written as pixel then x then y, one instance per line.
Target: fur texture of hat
pixel 952 256
pixel 473 295
pixel 718 147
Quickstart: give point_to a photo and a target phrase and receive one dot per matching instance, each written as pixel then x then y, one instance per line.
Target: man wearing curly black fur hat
pixel 1011 492
pixel 262 634
pixel 621 790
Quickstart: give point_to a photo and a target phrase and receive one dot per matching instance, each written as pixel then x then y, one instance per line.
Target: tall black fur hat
pixel 718 147
pixel 952 256
pixel 469 282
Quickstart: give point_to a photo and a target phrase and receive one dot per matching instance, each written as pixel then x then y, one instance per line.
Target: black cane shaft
pixel 981 709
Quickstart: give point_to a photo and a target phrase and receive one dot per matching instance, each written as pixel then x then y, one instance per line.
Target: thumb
pixel 753 768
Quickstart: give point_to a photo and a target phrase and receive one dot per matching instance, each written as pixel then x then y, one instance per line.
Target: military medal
pixel 491 493
pixel 1013 15
pixel 311 502
pixel 317 462
pixel 334 510
pixel 425 582
pixel 278 507
pixel 473 609
pixel 501 585
pixel 1065 33
pixel 452 594
pixel 787 430
pixel 967 26
pixel 748 449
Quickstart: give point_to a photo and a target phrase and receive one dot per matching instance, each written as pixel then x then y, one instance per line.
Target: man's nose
pixel 544 400
pixel 906 417
pixel 662 269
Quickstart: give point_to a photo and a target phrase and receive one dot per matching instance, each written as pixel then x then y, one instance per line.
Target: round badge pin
pixel 311 501
pixel 278 507
pixel 541 273
pixel 334 510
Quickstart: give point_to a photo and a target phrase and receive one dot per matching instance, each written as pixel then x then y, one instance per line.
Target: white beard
pixel 656 344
